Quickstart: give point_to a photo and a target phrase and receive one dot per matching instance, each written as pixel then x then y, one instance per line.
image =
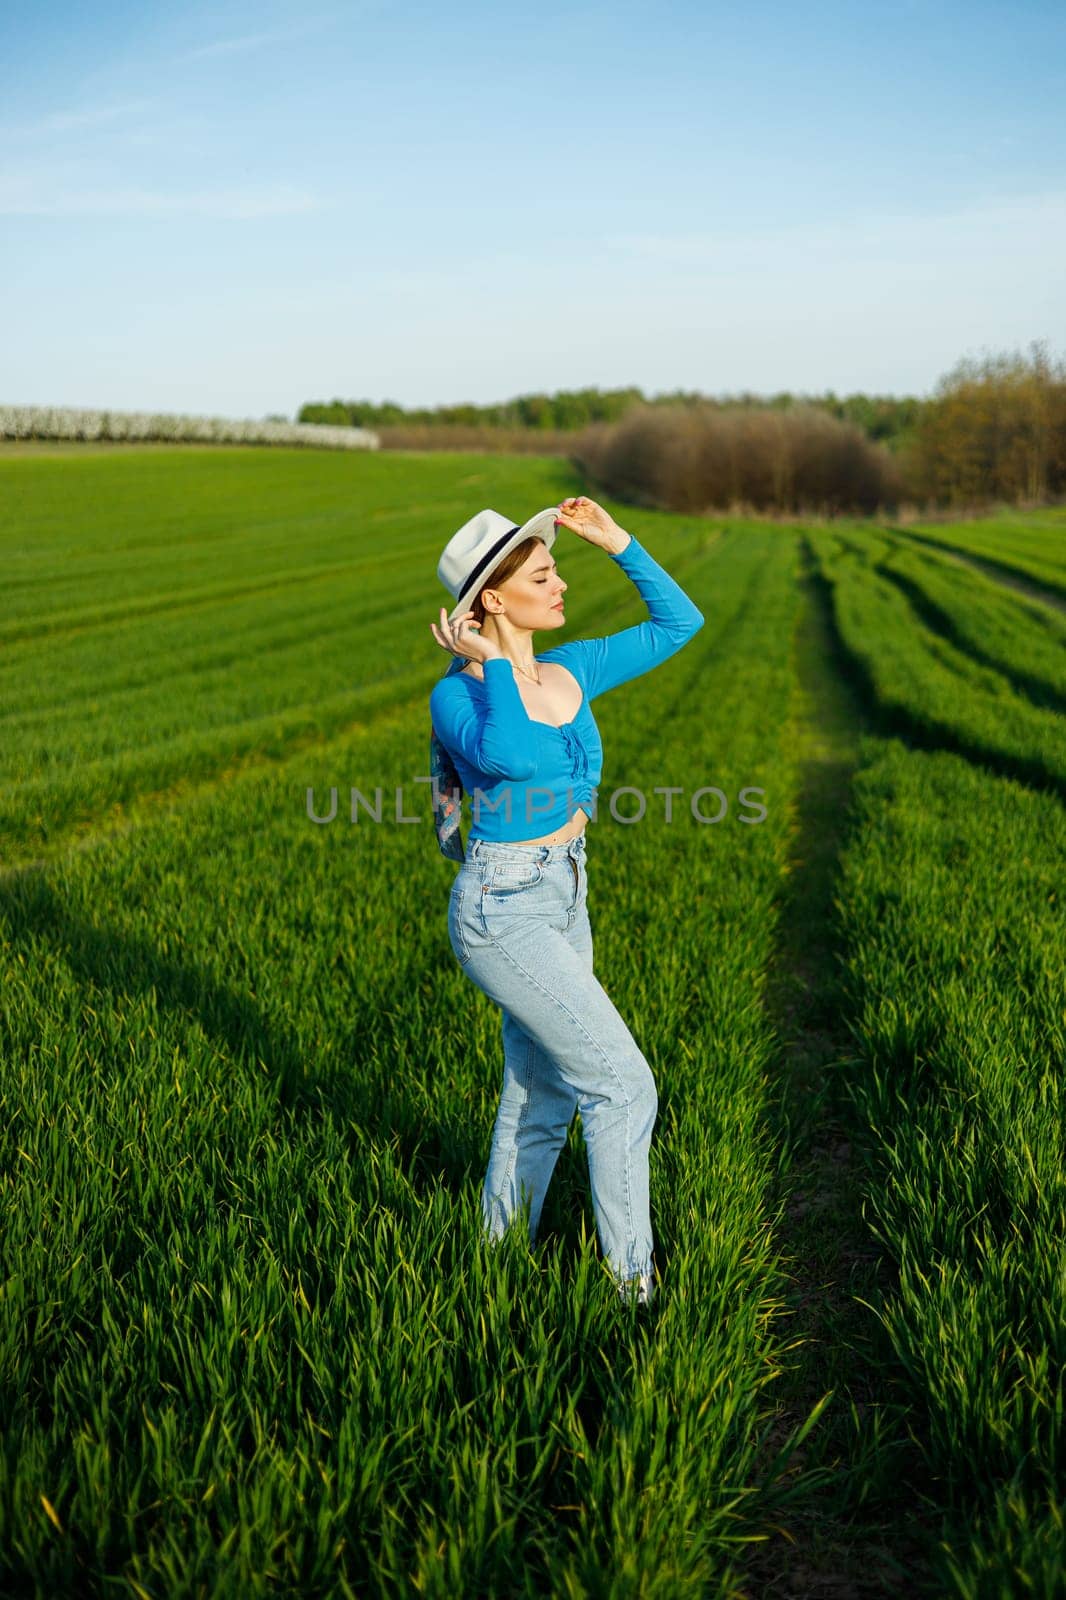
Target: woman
pixel 518 920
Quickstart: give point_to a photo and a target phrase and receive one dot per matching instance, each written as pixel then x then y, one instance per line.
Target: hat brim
pixel 541 526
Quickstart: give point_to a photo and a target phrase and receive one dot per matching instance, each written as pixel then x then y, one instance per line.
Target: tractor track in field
pixel 1004 576
pixel 1039 694
pixel 890 719
pixel 30 630
pixel 846 1541
pixel 151 805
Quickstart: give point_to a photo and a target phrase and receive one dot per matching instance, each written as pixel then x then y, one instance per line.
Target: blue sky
pixel 231 209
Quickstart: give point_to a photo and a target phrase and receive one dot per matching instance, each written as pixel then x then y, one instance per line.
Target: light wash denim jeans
pixel 518 924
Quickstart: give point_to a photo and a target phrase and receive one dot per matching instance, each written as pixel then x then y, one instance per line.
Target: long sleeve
pixel 603 664
pixel 492 729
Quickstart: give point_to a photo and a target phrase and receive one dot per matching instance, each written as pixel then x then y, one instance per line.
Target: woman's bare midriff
pixel 556 697
pixel 575 826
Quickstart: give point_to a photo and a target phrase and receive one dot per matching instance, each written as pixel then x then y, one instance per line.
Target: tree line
pixel 886 418
pixel 993 431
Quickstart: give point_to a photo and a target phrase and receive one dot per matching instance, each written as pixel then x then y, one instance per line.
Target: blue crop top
pixel 527 778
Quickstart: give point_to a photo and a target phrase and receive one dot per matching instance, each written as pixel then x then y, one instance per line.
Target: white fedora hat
pixel 472 555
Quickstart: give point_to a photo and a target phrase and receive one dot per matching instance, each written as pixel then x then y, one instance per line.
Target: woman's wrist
pixel 618 543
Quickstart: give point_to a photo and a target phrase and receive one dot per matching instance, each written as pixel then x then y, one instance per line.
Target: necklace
pixel 525 674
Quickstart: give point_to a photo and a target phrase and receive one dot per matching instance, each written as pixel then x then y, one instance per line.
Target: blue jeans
pixel 518 924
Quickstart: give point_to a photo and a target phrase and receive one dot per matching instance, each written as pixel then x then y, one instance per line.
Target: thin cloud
pixel 225 47
pixel 255 41
pixel 996 222
pixel 22 195
pixel 65 121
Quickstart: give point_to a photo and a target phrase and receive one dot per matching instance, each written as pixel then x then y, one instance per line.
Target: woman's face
pixel 532 596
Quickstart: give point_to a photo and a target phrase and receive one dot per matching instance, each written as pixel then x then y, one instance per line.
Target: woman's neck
pixel 518 650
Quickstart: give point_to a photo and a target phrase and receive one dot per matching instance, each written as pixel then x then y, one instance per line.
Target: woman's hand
pixel 460 638
pixel 592 523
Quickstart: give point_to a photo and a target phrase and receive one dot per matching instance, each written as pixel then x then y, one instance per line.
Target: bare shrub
pixel 706 457
pixel 473 436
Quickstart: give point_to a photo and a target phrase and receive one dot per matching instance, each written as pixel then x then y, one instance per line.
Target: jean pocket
pixel 507 879
pixel 456 932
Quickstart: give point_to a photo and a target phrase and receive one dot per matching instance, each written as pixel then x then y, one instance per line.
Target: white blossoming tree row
pixel 65 422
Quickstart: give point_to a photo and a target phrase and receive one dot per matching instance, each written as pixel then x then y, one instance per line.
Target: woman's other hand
pixel 592 523
pixel 461 638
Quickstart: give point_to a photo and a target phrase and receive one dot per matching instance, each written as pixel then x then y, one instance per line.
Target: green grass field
pixel 252 1341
